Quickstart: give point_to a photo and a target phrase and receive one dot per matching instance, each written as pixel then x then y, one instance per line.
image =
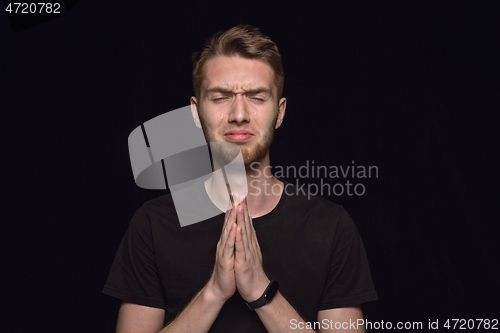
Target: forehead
pixel 237 73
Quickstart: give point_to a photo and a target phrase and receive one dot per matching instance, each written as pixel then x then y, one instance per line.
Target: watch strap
pixel 267 296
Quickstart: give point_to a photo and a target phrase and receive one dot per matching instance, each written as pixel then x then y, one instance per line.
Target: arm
pixel 201 312
pixel 344 317
pixel 251 280
pixel 139 318
pixel 134 318
pixel 278 316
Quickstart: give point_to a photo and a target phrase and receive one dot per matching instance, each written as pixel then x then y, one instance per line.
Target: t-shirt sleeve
pixel 133 276
pixel 349 280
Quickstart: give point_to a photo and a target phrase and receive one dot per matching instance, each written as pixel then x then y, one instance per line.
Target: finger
pixel 223 234
pixel 253 242
pixel 231 218
pixel 250 232
pixel 244 235
pixel 231 197
pixel 235 196
pixel 229 248
pixel 227 218
pixel 237 207
pixel 239 250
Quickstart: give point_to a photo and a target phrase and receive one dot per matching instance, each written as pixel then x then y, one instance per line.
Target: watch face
pixel 271 291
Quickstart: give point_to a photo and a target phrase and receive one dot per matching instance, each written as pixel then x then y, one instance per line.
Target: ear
pixel 194 111
pixel 281 113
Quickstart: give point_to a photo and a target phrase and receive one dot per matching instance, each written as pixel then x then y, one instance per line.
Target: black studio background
pixel 408 86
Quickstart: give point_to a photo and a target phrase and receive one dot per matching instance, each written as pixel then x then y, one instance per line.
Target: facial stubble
pixel 254 155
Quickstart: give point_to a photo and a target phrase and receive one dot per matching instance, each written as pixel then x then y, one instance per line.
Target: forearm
pixel 198 316
pixel 277 316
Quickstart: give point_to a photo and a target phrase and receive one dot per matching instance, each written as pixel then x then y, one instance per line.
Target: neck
pixel 264 190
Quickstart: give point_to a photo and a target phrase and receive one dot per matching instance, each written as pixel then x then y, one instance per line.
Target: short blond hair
pixel 245 41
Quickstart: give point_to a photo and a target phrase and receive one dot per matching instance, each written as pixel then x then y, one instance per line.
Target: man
pixel 276 261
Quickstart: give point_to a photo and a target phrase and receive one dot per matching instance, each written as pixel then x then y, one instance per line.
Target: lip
pixel 238 135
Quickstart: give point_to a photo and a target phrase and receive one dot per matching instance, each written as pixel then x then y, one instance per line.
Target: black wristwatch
pixel 268 295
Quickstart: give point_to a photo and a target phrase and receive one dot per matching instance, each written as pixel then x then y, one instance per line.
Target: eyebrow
pixel 248 91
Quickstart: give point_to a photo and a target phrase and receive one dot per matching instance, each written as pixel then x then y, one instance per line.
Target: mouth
pixel 238 135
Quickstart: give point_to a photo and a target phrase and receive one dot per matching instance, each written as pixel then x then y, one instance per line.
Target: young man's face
pixel 238 103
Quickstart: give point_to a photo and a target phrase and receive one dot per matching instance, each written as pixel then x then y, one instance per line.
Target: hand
pixel 251 280
pixel 223 283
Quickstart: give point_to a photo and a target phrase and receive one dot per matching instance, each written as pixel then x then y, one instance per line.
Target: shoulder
pixel 301 202
pixel 315 218
pixel 159 204
pixel 184 207
pixel 157 210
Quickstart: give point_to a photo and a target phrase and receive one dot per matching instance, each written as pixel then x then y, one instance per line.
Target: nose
pixel 239 112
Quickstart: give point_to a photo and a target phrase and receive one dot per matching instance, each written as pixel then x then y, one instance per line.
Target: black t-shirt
pixel 310 246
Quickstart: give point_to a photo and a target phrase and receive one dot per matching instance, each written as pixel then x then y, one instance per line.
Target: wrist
pixel 266 297
pixel 212 294
pixel 259 290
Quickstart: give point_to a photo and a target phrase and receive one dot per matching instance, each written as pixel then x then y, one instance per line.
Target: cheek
pixel 211 119
pixel 223 114
pixel 265 119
